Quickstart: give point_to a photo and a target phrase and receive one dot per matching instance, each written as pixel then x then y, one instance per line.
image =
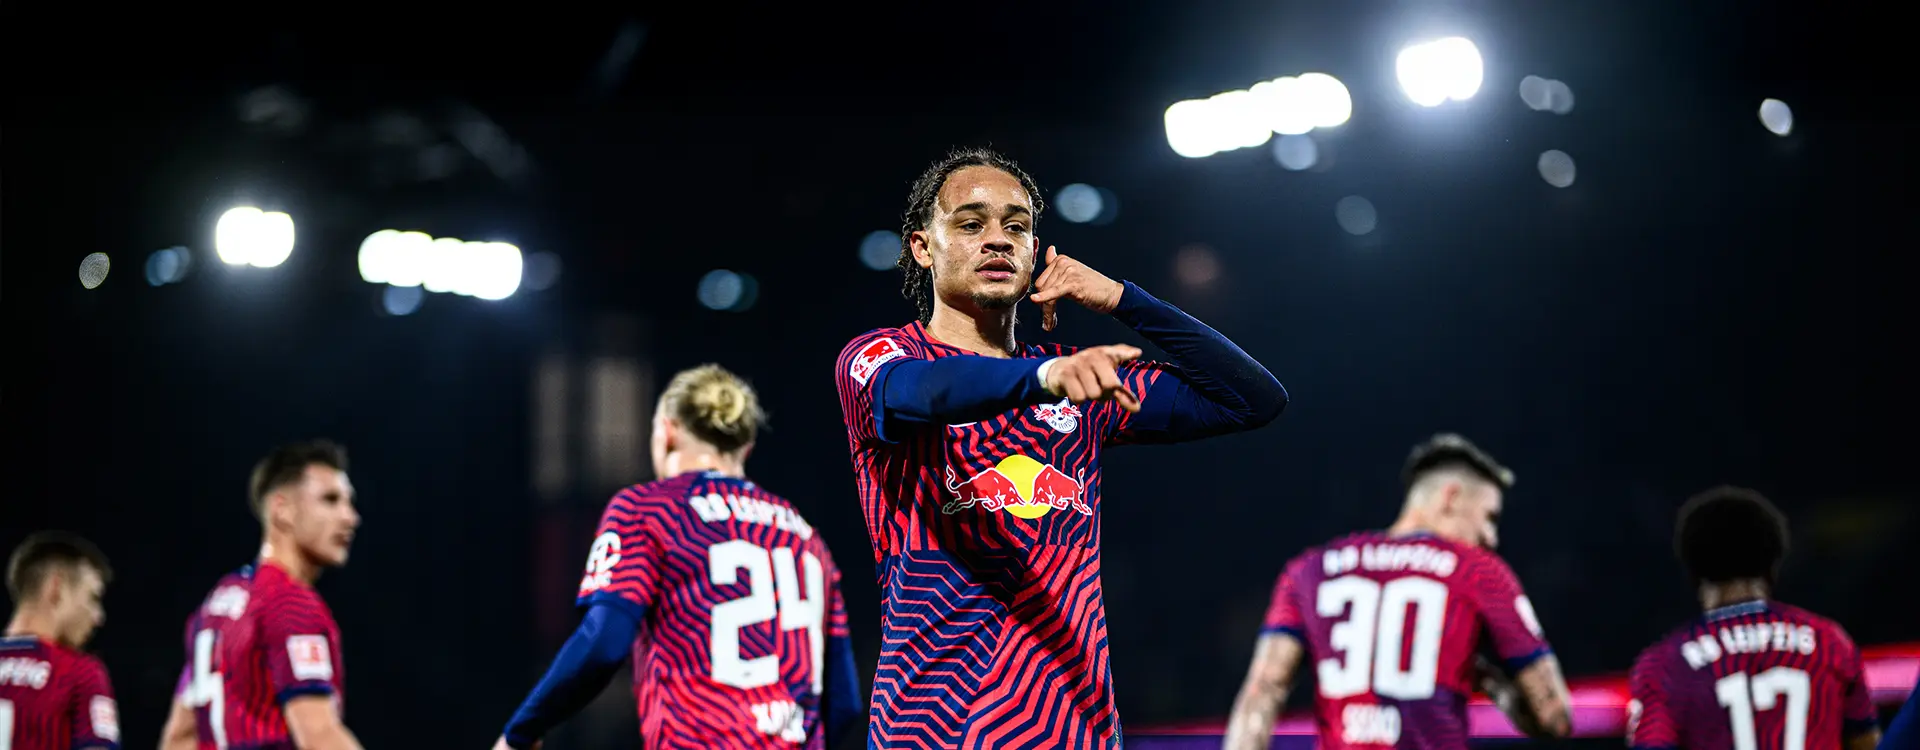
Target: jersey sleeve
pixel 857 376
pixel 298 637
pixel 623 567
pixel 1858 714
pixel 94 715
pixel 1139 376
pixel 1283 613
pixel 837 626
pixel 1506 615
pixel 1650 724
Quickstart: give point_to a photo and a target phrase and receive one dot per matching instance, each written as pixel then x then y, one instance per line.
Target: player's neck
pixel 28 622
pixel 681 462
pixel 988 333
pixel 287 557
pixel 1726 594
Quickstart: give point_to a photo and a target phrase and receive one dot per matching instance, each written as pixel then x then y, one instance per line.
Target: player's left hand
pixel 1071 279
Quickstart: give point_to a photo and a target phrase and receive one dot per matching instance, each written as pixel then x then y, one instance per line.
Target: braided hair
pixel 917 284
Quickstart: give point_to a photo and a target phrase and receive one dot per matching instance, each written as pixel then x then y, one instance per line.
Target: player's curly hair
pixel 917 283
pixel 716 405
pixel 1730 534
pixel 43 553
pixel 286 465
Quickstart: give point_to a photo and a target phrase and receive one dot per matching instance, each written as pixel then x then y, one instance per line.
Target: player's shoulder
pixel 656 495
pixel 866 352
pixel 1653 659
pixel 1829 630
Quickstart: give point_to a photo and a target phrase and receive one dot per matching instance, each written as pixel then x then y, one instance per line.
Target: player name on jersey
pixel 1414 558
pixel 25 672
pixel 1749 638
pixel 714 508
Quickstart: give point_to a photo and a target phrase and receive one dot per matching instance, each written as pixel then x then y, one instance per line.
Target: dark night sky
pixel 1708 303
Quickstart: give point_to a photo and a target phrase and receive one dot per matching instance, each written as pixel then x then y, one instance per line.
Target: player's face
pixel 980 244
pixel 322 516
pixel 1482 514
pixel 78 609
pixel 660 442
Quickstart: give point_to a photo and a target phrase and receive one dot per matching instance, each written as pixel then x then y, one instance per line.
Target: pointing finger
pixel 1121 352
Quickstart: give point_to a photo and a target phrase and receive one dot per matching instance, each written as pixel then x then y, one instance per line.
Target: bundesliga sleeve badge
pixel 871 357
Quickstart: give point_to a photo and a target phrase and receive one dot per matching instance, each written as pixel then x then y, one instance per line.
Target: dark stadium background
pixel 1707 303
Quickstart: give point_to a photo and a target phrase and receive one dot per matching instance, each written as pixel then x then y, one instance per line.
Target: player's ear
pixel 922 252
pixel 745 450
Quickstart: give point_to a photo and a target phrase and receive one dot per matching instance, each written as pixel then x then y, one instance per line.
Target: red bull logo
pixel 1018 485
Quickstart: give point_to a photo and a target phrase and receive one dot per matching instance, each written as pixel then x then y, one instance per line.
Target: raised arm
pixel 1215 388
pixel 1276 657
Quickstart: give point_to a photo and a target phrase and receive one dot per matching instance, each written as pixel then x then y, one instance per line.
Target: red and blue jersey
pixel 260 639
pixel 987 539
pixel 54 698
pixel 1753 676
pixel 1391 625
pixel 737 597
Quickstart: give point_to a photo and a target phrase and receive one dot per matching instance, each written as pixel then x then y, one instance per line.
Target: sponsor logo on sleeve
pixel 1525 607
pixel 600 562
pixel 105 717
pixel 872 356
pixel 312 659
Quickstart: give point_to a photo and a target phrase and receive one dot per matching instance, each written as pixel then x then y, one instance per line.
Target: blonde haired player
pixel 746 640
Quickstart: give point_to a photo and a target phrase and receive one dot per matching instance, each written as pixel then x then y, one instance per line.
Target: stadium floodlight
pixel 1248 118
pixel 1433 73
pixel 248 236
pixel 486 270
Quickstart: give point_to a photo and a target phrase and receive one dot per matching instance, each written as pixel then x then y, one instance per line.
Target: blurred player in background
pixel 1396 622
pixel 977 458
pixel 52 696
pixel 263 652
pixel 746 640
pixel 1751 673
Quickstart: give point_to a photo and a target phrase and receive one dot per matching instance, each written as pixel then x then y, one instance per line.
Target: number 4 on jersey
pixel 724 563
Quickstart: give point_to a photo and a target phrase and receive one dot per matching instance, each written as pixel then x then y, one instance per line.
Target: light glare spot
pixel 1776 116
pixel 1431 73
pixel 1196 265
pixel 485 270
pixel 93 270
pixel 1356 215
pixel 1079 203
pixel 401 300
pixel 1296 152
pixel 248 236
pixel 880 250
pixel 720 290
pixel 1556 167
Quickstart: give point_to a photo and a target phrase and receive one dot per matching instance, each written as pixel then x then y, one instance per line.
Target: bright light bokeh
pixel 486 270
pixel 248 236
pixel 1432 73
pixel 1286 106
pixel 93 270
pixel 1777 117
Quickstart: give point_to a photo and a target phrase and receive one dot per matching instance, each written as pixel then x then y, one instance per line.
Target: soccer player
pixel 1397 622
pixel 52 696
pixel 263 652
pixel 746 642
pixel 1751 673
pixel 977 458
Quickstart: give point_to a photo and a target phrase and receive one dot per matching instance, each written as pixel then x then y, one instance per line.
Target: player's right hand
pixel 1093 374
